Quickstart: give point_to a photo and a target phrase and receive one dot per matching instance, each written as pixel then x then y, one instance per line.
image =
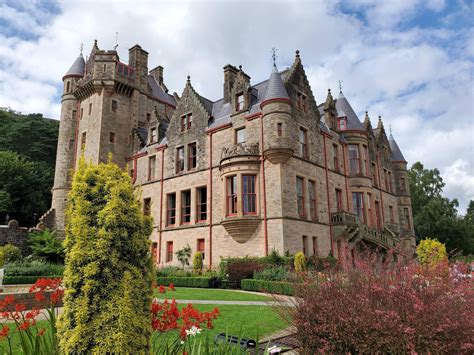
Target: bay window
pixel 354 161
pixel 231 195
pixel 249 195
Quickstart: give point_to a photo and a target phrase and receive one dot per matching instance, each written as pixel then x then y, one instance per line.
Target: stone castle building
pixel 263 168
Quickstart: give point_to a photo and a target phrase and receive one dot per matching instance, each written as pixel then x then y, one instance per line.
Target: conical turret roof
pixel 77 68
pixel 396 152
pixel 275 88
pixel 344 109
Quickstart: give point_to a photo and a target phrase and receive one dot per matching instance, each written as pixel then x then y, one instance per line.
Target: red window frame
pixel 151 167
pixel 231 195
pixel 192 154
pixel 179 159
pixel 201 204
pixel 279 129
pixel 201 247
pixel 239 102
pixel 189 121
pixel 303 141
pixel 186 207
pixel 339 200
pixel 300 202
pixel 335 153
pixel 342 123
pixel 358 205
pixel 313 207
pixel 147 206
pixel 171 209
pixel 169 251
pixel 354 160
pixel 249 195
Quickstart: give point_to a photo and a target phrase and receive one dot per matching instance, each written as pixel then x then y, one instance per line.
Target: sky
pixel 409 61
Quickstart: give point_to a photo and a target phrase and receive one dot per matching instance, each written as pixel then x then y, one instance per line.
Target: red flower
pixel 56 296
pixel 162 289
pixel 20 307
pixel 25 325
pixel 4 332
pixel 171 287
pixel 41 332
pixel 39 296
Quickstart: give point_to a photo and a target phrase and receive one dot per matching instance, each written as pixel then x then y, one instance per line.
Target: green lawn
pixel 186 293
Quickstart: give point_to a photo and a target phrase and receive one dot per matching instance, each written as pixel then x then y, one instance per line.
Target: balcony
pixel 242 154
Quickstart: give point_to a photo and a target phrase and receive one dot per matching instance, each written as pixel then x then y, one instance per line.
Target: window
pixel 151 167
pixel 82 113
pixel 201 210
pixel 179 159
pixel 249 196
pixel 114 106
pixel 231 192
pixel 148 117
pixel 185 207
pixel 239 102
pixel 111 137
pixel 280 129
pixel 366 160
pixel 67 86
pixel 83 140
pixel 153 136
pixel 403 186
pixel 303 143
pixel 358 205
pixel 169 251
pixel 335 157
pixel 312 200
pixel 300 196
pixel 90 108
pixel 186 122
pixel 315 246
pixel 154 251
pixel 301 102
pixel 354 162
pixel 385 175
pixel 406 214
pixel 147 206
pixel 374 175
pixel 240 135
pixel 377 214
pixel 369 209
pixel 390 189
pixel 305 244
pixel 201 247
pixel 171 209
pixel 342 123
pixel 392 215
pixel 74 114
pixel 192 152
pixel 339 200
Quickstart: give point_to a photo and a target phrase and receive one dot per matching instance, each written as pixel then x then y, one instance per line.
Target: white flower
pixel 274 350
pixel 182 342
pixel 193 331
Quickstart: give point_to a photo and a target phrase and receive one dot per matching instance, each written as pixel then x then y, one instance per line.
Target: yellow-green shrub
pixel 197 262
pixel 108 271
pixel 430 252
pixel 300 261
pixel 9 253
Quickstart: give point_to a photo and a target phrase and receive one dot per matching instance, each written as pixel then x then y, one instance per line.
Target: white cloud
pixel 418 79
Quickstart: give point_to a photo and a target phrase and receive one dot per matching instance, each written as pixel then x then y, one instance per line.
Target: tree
pixel 183 255
pixel 435 216
pixel 108 267
pixel 24 188
pixel 45 244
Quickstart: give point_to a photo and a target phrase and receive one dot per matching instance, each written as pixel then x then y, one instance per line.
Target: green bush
pixel 282 288
pixel 318 263
pixel 300 261
pixel 173 271
pixel 45 244
pixel 9 253
pixel 278 273
pixel 197 281
pixel 197 262
pixel 33 268
pixel 108 273
pixel 24 280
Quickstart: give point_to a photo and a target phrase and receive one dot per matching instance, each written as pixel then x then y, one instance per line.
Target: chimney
pixel 230 74
pixel 157 73
pixel 138 59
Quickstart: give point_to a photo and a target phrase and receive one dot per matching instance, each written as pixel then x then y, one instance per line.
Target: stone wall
pixel 16 235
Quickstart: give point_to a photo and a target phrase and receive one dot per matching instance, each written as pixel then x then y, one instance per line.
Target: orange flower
pixel 25 325
pixel 4 332
pixel 39 296
pixel 41 332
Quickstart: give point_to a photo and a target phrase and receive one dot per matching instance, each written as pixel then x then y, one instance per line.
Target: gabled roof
pixel 396 152
pixel 77 68
pixel 275 87
pixel 159 93
pixel 344 109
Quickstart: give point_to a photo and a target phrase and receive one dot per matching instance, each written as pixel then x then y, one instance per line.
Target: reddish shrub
pixel 243 268
pixel 375 307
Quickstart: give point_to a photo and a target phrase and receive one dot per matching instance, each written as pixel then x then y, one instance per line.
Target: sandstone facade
pixel 263 168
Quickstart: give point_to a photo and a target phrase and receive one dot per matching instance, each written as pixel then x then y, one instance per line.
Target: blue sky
pixel 409 61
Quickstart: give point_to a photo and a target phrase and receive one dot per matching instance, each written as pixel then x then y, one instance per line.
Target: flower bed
pixel 278 287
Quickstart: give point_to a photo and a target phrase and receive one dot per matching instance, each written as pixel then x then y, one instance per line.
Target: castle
pixel 264 168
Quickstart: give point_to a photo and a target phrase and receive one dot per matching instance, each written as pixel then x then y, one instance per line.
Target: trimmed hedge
pixel 282 288
pixel 198 281
pixel 24 280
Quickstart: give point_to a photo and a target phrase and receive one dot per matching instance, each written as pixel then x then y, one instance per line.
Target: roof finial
pixel 340 86
pixel 116 41
pixel 81 47
pixel 189 78
pixel 274 55
pixel 240 67
pixel 297 53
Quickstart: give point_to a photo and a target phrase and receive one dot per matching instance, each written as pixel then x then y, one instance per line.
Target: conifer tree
pixel 108 273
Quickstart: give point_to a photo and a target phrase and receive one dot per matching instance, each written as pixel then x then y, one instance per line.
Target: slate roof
pixel 396 152
pixel 275 87
pixel 159 93
pixel 77 68
pixel 344 109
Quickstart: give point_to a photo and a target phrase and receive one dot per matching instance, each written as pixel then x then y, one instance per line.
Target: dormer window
pixel 342 123
pixel 239 102
pixel 153 136
pixel 186 122
pixel 301 102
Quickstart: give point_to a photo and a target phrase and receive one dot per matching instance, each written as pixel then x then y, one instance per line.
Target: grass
pixel 186 293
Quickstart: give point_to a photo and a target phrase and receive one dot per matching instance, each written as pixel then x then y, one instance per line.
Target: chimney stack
pixel 230 74
pixel 157 73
